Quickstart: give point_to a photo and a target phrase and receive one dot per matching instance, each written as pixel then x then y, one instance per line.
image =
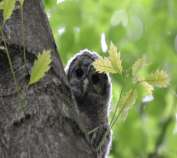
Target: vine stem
pixel 10 61
pixel 23 35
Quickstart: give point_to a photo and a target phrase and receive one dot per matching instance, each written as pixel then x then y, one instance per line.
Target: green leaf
pixel 147 87
pixel 126 102
pixel 115 58
pixel 159 78
pixel 111 64
pixel 139 64
pixel 8 8
pixel 40 67
pixel 103 65
pixel 21 2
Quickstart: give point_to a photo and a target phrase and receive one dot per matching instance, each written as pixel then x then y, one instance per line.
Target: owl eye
pixel 95 78
pixel 79 72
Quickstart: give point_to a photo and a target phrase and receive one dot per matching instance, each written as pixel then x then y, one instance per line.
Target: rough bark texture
pixel 40 121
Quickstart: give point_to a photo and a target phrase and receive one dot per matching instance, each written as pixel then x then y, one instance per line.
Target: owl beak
pixel 85 83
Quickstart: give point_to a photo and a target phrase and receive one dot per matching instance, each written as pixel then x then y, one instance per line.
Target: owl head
pixel 87 85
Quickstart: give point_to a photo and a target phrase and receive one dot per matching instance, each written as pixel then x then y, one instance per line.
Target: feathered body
pixel 92 91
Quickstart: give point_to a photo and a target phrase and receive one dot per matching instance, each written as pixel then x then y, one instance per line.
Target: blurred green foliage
pixel 139 27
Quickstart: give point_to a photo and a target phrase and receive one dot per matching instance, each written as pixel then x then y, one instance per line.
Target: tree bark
pixel 40 121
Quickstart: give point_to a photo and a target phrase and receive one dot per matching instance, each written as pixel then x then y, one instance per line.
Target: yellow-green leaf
pixel 159 79
pixel 139 64
pixel 40 67
pixel 115 58
pixel 126 102
pixel 2 5
pixel 8 8
pixel 147 87
pixel 21 2
pixel 103 65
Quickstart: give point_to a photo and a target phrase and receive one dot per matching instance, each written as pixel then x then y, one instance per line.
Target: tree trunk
pixel 40 121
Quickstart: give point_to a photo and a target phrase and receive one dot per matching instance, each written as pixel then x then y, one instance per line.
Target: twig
pixel 164 127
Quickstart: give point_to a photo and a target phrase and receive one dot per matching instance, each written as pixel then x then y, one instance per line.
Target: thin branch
pixel 159 141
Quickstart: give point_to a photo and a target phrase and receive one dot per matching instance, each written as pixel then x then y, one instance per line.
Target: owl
pixel 92 91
